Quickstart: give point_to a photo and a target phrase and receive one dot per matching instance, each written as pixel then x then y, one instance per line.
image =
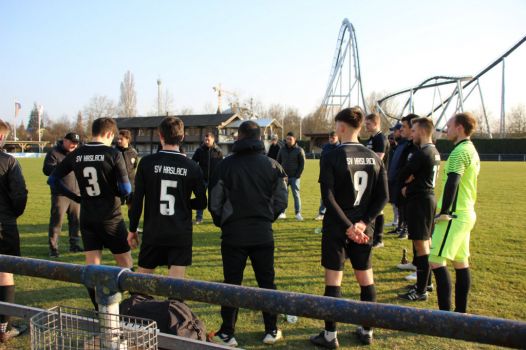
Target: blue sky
pixel 61 53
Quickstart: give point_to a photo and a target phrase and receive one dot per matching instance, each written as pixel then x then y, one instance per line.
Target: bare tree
pixel 317 122
pixel 168 102
pixel 99 107
pixel 209 108
pixel 128 101
pixel 390 107
pixel 186 111
pixel 517 120
pixel 79 126
pixel 55 130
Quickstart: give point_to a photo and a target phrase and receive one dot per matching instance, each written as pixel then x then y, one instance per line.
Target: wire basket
pixel 66 328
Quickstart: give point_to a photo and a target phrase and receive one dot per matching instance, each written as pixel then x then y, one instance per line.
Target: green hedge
pixel 489 146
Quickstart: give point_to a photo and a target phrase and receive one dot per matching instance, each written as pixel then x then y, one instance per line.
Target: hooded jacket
pixel 247 193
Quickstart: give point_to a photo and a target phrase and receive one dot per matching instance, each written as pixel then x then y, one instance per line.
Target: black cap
pixel 73 137
pixel 397 126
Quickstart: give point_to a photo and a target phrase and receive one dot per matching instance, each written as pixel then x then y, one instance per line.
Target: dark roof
pixel 262 123
pixel 188 120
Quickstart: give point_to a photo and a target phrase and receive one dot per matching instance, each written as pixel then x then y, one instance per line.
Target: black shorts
pixel 111 234
pixel 9 239
pixel 336 248
pixel 152 256
pixel 420 215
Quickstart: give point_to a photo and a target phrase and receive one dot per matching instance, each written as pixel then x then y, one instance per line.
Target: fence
pixel 472 328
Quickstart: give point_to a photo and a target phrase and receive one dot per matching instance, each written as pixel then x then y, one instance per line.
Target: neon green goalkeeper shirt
pixel 463 160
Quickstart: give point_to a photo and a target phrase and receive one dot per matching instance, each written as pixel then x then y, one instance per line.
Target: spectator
pixel 207 156
pixel 131 158
pixel 60 204
pixel 292 159
pixel 332 144
pixel 274 148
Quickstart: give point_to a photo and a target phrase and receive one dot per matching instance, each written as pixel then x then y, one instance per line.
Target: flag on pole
pixel 18 107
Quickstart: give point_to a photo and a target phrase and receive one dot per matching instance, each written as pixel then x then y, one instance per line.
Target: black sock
pixel 430 278
pixel 7 295
pixel 443 288
pixel 462 284
pixel 414 256
pixel 422 273
pixel 379 228
pixel 336 292
pixel 91 292
pixel 368 293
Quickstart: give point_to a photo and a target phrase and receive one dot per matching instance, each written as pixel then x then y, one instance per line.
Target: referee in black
pixel 13 199
pixel 353 184
pixel 165 182
pixel 246 195
pixel 378 144
pixel 418 177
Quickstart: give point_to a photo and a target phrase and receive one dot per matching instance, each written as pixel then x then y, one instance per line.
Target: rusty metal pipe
pixel 473 328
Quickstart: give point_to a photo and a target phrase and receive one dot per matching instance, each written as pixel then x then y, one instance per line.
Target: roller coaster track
pixel 345 87
pixel 345 80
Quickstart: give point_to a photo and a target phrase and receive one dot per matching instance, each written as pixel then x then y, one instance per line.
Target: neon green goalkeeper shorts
pixel 450 240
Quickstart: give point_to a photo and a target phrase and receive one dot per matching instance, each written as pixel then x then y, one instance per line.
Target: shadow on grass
pixel 51 295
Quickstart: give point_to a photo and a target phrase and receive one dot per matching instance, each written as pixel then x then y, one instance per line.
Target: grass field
pixel 497 246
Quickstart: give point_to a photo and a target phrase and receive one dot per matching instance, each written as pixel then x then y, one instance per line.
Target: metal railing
pixel 110 281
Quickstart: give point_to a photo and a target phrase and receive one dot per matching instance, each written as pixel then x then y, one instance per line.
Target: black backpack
pixel 172 316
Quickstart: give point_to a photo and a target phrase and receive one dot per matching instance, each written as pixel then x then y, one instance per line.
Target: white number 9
pixel 360 185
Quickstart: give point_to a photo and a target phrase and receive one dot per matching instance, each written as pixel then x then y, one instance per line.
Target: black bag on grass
pixel 172 316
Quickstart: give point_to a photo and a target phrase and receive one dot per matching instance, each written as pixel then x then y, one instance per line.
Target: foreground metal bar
pixel 473 328
pixel 166 341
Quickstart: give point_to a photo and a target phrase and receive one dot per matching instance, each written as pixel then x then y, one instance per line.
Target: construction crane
pixel 220 91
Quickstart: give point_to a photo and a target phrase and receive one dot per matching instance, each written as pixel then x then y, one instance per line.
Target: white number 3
pixel 360 185
pixel 167 208
pixel 93 189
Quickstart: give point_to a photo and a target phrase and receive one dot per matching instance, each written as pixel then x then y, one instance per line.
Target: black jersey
pixel 166 180
pixel 102 177
pixel 423 165
pixel 378 143
pixel 357 179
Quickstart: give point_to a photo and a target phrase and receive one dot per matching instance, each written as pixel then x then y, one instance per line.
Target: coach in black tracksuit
pixel 60 204
pixel 248 176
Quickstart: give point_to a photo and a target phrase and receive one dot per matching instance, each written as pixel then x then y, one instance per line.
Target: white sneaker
pixel 299 217
pixel 273 337
pixel 222 339
pixel 411 277
pixel 408 266
pixel 282 216
pixel 291 318
pixel 319 217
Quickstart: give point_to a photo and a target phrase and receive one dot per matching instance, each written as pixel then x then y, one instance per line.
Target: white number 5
pixel 360 185
pixel 167 208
